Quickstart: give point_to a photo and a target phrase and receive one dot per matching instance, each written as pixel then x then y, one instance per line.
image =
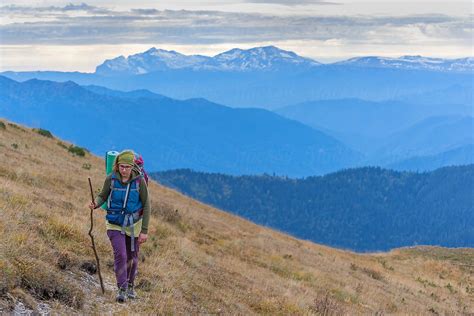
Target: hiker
pixel 128 214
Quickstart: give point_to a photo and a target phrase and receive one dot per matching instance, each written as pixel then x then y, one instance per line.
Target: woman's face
pixel 125 171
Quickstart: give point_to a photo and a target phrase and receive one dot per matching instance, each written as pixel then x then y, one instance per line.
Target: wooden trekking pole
pixel 93 243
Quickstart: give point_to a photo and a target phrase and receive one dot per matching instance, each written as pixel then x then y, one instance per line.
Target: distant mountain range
pixel 456 94
pixel 364 209
pixel 463 155
pixel 367 118
pixel 390 130
pixel 129 95
pixel 268 77
pixel 269 58
pixel 209 137
pixel 430 136
pixel 414 62
pixel 193 133
pixel 260 58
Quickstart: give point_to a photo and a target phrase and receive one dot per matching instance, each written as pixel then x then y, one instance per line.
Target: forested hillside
pixel 363 209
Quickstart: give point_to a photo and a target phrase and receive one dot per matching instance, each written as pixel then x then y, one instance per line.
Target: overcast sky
pixel 75 35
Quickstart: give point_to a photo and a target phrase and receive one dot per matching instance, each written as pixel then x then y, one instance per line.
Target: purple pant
pixel 125 261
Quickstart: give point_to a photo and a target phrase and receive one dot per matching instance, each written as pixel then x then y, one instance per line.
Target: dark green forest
pixel 363 209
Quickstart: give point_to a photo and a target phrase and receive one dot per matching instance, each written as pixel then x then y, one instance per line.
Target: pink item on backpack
pixel 140 163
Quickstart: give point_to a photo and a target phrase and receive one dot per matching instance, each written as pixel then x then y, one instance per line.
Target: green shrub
pixel 76 150
pixel 15 145
pixel 86 166
pixel 43 132
pixel 2 125
pixel 17 127
pixel 62 145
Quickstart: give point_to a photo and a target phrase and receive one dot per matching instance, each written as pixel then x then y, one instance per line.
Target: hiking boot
pixel 121 295
pixel 131 292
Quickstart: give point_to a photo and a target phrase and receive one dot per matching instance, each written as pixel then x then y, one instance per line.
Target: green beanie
pixel 126 157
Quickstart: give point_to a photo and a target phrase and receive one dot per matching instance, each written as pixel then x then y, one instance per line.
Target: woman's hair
pixel 115 167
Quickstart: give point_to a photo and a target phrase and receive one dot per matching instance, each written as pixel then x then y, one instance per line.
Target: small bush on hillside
pixel 15 145
pixel 7 277
pixel 8 173
pixel 145 285
pixel 76 150
pixel 450 288
pixel 43 132
pixel 86 166
pixel 17 127
pixel 327 306
pixel 161 232
pixel 433 311
pixel 60 144
pixel 373 274
pixel 89 266
pixel 182 226
pixel 2 125
pixel 38 279
pixel 59 230
pixel 167 211
pixel 64 261
pixel 426 282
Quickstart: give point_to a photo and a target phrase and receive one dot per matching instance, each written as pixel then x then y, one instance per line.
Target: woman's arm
pixel 146 205
pixel 104 194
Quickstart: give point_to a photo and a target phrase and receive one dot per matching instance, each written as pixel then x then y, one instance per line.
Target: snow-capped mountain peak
pixel 413 62
pixel 267 58
pixel 149 61
pixel 259 58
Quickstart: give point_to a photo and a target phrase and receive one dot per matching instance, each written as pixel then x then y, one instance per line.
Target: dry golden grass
pixel 198 260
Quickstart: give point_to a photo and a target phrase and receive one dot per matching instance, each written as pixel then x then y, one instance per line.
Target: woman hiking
pixel 128 214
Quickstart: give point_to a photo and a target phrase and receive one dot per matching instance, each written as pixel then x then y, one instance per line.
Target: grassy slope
pixel 198 259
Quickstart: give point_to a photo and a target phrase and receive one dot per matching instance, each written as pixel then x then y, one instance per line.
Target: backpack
pixel 140 164
pixel 109 162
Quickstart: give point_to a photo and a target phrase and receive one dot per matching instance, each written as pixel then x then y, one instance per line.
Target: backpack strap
pixel 126 196
pixel 137 181
pixel 128 219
